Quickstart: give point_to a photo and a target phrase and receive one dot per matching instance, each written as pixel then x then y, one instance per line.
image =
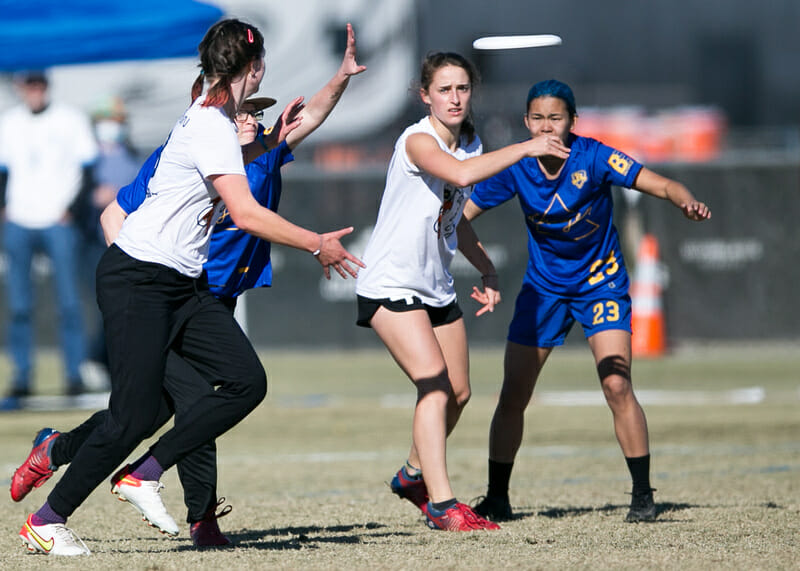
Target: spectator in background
pixel 47 150
pixel 117 165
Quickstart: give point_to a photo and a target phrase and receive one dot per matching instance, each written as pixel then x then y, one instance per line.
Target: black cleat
pixel 494 508
pixel 643 508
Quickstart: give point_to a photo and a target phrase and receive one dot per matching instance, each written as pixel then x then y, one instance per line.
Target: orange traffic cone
pixel 647 322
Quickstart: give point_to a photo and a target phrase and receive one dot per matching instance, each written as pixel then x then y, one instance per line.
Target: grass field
pixel 306 472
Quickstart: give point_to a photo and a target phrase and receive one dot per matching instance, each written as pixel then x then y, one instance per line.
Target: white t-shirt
pixel 414 240
pixel 44 154
pixel 173 225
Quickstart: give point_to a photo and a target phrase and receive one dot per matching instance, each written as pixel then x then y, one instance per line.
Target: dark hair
pixel 553 88
pixel 227 48
pixel 437 60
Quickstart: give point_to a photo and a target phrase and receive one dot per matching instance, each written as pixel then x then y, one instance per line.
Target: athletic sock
pixel 499 477
pixel 46 516
pixel 147 468
pixel 417 472
pixel 441 507
pixel 639 468
pixel 56 453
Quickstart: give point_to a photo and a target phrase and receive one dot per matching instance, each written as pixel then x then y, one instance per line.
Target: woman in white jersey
pixel 154 297
pixel 406 292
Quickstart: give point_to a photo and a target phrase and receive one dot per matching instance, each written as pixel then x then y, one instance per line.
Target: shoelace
pixel 67 536
pixel 473 520
pixel 223 512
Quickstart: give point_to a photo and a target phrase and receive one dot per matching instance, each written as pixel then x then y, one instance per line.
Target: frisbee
pixel 516 42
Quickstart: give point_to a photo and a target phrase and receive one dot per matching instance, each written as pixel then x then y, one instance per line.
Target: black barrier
pixel 736 276
pixel 731 278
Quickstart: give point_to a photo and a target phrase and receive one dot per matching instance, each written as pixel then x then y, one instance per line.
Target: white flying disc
pixel 515 42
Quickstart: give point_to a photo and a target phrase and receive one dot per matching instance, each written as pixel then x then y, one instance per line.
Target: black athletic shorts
pixel 438 315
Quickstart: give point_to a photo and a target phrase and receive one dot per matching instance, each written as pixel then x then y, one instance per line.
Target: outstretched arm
pixel 250 216
pixel 425 152
pixel 659 186
pixel 322 103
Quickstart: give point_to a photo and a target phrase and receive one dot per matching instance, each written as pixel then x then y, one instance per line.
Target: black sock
pixel 445 505
pixel 640 473
pixel 499 476
pixel 56 453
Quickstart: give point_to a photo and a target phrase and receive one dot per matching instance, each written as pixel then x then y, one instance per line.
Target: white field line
pixel 650 397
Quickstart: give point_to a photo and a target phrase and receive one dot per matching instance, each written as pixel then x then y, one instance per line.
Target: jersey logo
pixel 558 220
pixel 46 545
pixel 620 163
pixel 579 178
pixel 452 203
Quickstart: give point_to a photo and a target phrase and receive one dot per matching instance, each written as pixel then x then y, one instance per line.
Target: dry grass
pixel 306 471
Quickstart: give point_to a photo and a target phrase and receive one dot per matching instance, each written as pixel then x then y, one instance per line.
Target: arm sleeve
pixel 615 167
pixel 130 197
pixel 494 191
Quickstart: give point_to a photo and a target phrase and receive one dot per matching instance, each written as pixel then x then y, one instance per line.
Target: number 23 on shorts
pixel 605 311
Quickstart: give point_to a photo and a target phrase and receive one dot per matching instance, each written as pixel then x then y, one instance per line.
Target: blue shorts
pixel 542 320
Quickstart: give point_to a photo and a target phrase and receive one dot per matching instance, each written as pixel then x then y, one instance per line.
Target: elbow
pixel 242 221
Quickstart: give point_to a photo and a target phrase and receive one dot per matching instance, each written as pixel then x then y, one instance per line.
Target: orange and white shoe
pixel 145 496
pixel 51 539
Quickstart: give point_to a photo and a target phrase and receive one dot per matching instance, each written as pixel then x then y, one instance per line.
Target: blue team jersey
pixel 237 261
pixel 573 246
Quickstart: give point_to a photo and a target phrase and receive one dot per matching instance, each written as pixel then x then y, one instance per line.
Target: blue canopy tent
pixel 37 34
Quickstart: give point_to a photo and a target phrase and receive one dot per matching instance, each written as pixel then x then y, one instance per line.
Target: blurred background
pixel 704 92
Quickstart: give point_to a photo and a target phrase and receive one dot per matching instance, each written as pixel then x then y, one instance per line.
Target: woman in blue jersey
pixel 406 291
pixel 238 261
pixel 154 298
pixel 575 273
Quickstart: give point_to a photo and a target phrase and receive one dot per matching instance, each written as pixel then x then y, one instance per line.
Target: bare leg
pixel 521 370
pixel 410 339
pixel 612 354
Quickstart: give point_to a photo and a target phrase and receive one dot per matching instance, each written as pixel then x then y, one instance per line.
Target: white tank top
pixel 414 239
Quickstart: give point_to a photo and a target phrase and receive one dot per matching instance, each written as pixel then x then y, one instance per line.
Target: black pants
pixel 198 470
pixel 148 310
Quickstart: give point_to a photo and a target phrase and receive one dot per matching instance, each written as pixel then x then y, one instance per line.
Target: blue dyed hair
pixel 553 88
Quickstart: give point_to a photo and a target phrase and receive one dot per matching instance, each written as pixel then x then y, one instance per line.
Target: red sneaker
pixel 37 468
pixel 412 489
pixel 206 533
pixel 458 518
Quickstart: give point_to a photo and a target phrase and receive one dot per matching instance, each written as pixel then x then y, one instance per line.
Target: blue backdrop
pixel 36 34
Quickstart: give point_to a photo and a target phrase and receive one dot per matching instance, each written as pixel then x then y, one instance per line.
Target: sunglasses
pixel 242 116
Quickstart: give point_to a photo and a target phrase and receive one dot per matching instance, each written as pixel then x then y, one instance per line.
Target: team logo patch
pixel 620 163
pixel 579 178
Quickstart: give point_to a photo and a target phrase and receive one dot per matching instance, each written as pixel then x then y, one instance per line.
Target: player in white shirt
pixel 154 297
pixel 46 149
pixel 406 292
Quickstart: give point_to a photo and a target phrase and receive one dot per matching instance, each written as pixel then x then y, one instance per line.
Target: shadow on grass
pixel 576 511
pixel 302 537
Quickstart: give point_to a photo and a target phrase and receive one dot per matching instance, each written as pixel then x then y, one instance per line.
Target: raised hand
pixel 288 121
pixel 349 65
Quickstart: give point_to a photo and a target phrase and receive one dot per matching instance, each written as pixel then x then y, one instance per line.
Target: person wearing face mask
pixel 46 153
pixel 116 166
pixel 575 272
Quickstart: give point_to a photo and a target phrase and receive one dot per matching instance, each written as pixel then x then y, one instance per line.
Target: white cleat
pixel 51 539
pixel 145 496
